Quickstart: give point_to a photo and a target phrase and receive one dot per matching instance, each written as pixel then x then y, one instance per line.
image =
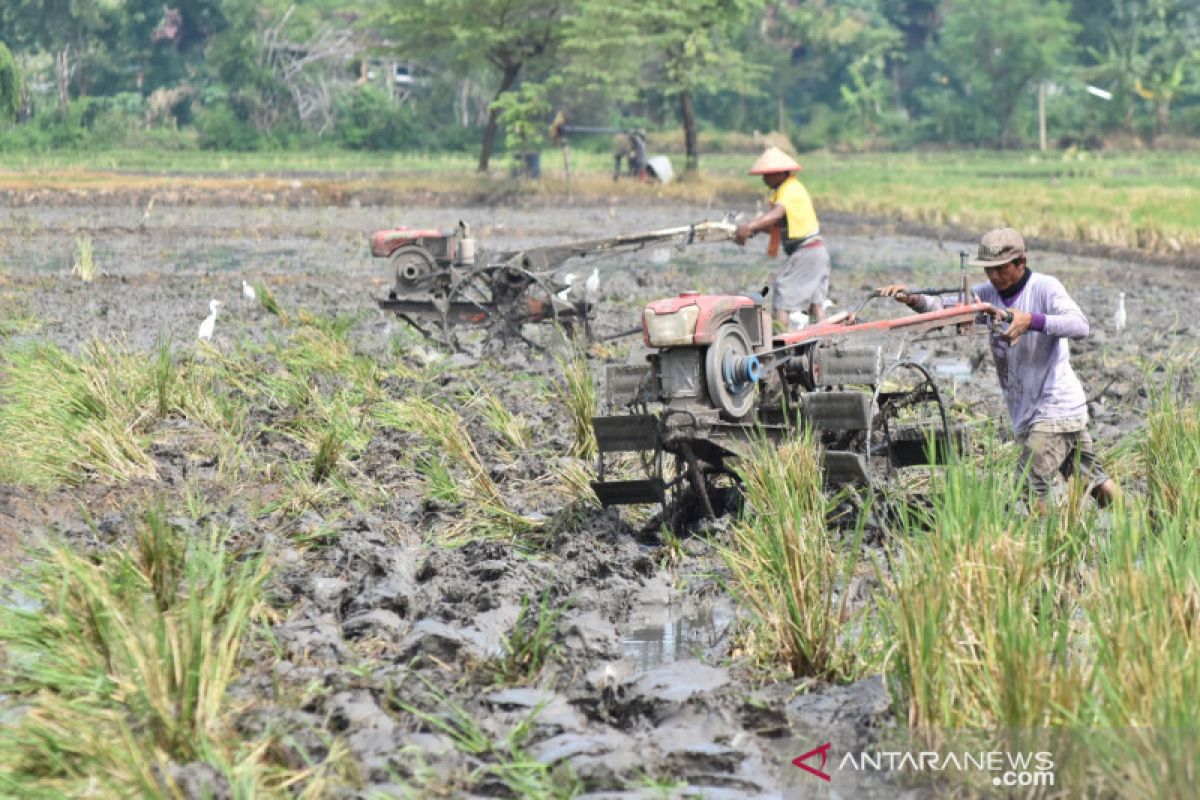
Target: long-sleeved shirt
pixel 1035 372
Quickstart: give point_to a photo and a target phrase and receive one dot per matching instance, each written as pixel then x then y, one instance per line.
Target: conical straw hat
pixel 774 160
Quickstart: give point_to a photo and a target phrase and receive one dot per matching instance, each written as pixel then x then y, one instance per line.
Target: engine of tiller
pixel 716 377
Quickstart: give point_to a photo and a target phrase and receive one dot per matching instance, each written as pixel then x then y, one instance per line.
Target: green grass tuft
pixel 786 569
pixel 118 666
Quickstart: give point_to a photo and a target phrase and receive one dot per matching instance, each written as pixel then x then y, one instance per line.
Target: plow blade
pixel 626 433
pixel 843 467
pixel 627 493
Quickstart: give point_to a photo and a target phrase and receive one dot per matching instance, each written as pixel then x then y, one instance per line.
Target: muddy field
pixel 645 694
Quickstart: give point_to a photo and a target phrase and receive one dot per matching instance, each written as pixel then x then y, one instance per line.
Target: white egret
pixel 1119 314
pixel 206 327
pixel 593 283
pixel 565 294
pixel 248 292
pixel 797 320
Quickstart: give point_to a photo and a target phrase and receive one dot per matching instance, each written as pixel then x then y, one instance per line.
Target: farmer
pixel 803 282
pixel 1045 400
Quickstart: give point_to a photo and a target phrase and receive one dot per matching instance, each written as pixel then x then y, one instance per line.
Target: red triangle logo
pixel 823 750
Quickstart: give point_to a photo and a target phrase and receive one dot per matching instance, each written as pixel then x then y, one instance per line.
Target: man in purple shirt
pixel 1045 400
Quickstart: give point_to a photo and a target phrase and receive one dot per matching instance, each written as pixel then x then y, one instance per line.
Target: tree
pixel 1148 50
pixel 509 35
pixel 675 46
pixel 840 55
pixel 993 51
pixel 917 21
pixel 57 26
pixel 10 85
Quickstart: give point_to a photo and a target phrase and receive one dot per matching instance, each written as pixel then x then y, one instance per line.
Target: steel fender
pixel 714 310
pixel 384 243
pixel 715 313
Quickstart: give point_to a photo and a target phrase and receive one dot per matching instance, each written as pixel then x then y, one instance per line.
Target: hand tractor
pixel 441 279
pixel 716 377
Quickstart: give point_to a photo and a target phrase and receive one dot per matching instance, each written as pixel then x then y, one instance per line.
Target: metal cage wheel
pixel 880 441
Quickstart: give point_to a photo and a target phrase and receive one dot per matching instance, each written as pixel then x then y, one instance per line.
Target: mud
pixel 375 622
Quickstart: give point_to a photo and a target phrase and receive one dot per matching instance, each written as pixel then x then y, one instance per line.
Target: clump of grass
pixel 122 667
pixel 670 551
pixel 446 431
pixel 85 262
pixel 785 568
pixel 164 376
pixel 510 427
pixel 530 645
pixel 16 316
pixel 269 303
pixel 439 480
pixel 64 417
pixel 577 482
pixel 500 767
pixel 581 401
pixel 451 445
pixel 979 636
pixel 1172 449
pixel 325 460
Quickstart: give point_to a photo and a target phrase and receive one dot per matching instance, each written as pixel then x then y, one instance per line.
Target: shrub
pixel 369 119
pixel 220 128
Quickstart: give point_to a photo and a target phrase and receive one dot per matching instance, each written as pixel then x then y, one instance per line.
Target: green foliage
pixel 504 760
pixel 787 571
pixel 10 85
pixel 1078 621
pixel 991 53
pixel 221 128
pixel 123 662
pixel 530 645
pixel 524 112
pixel 863 73
pixel 369 119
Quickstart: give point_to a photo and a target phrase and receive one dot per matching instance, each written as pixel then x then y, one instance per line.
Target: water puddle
pixel 665 634
pixel 958 370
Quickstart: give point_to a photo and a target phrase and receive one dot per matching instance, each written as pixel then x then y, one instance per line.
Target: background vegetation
pixel 426 75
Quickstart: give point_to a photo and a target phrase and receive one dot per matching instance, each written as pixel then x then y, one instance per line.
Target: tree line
pixel 456 74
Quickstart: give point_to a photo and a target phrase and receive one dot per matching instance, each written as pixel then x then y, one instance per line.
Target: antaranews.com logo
pixel 1008 769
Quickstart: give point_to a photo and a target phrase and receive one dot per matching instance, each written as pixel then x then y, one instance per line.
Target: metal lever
pixel 875 294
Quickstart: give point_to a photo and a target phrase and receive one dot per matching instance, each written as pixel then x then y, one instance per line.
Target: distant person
pixel 1045 400
pixel 802 284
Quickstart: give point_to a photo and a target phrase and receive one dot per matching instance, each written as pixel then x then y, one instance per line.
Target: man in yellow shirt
pixel 803 282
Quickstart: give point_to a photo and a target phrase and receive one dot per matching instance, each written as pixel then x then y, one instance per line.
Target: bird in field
pixel 206 327
pixel 248 292
pixel 1119 314
pixel 565 294
pixel 593 283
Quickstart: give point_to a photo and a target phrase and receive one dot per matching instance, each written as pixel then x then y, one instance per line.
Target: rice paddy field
pixel 320 557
